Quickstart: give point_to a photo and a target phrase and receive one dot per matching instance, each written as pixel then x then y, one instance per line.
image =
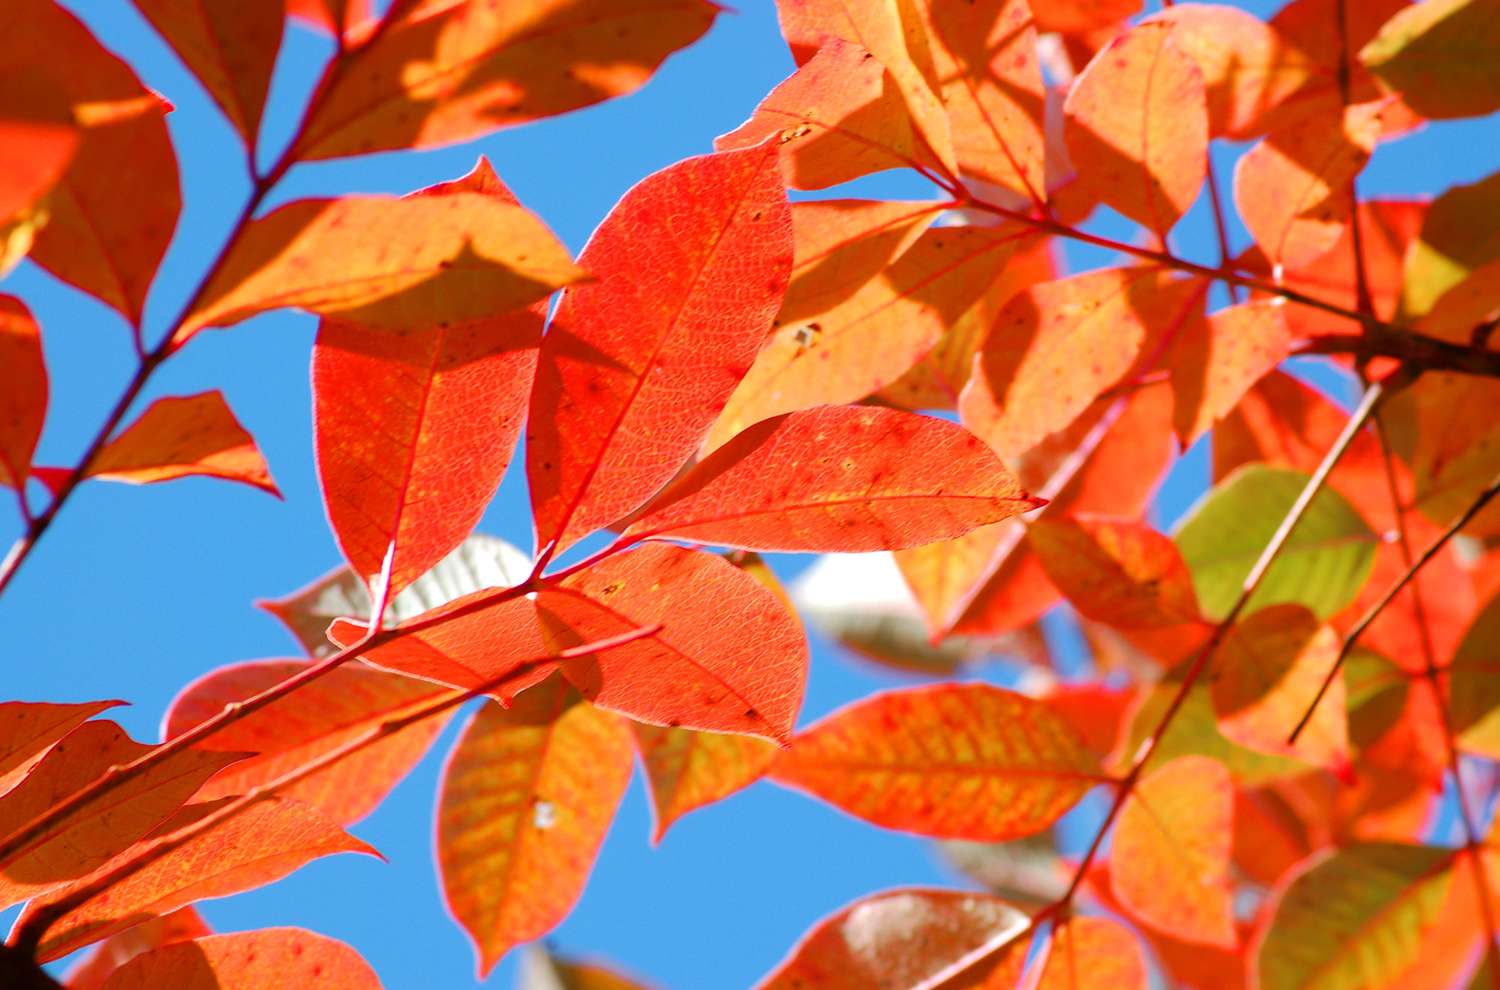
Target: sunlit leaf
pixel 689 769
pixel 1453 453
pixel 1082 953
pixel 1120 573
pixel 248 961
pixel 527 798
pixel 91 972
pixel 23 390
pixel 27 729
pixel 1214 362
pixel 1437 54
pixel 1475 688
pixel 1460 234
pixel 184 436
pixel 962 761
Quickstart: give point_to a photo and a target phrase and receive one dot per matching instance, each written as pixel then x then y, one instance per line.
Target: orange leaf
pixel 689 769
pixel 90 834
pixel 1215 361
pixel 1313 36
pixel 336 17
pixel 1292 188
pixel 1137 127
pixel 1169 861
pixel 23 390
pixel 111 216
pixel 842 478
pixel 836 118
pixel 27 729
pixel 1079 16
pixel 270 957
pixel 1115 571
pixel 291 732
pixel 872 338
pixel 184 436
pixel 899 938
pixel 231 48
pixel 94 969
pixel 962 761
pixel 1082 953
pixel 528 795
pixel 1267 672
pixel 691 267
pixel 387 262
pixel 265 843
pixel 38 140
pixel 444 73
pixel 1057 346
pixel 985 55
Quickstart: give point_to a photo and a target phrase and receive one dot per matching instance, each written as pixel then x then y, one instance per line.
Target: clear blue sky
pixel 138 590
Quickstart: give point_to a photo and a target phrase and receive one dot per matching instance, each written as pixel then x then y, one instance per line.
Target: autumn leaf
pixel 1434 55
pixel 181 437
pixel 900 937
pixel 38 140
pixel 527 797
pixel 690 269
pixel 247 961
pixel 1118 572
pixel 963 761
pixel 231 48
pixel 92 832
pixel 23 390
pixel 1169 858
pixel 1078 16
pixel 1082 953
pixel 28 729
pixel 1138 127
pixel 265 843
pixel 112 214
pixel 336 17
pixel 387 262
pixel 1458 237
pixel 91 972
pixel 826 479
pixel 445 73
pixel 292 731
pixel 1215 361
pixel 689 769
pixel 1474 698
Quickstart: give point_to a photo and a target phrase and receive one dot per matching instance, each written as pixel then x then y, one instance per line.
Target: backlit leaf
pixel 23 390
pixel 388 262
pixel 336 17
pixel 91 972
pixel 690 769
pixel 1291 189
pixel 27 729
pixel 838 478
pixel 444 73
pixel 962 761
pixel 90 834
pixel 111 216
pixel 1325 562
pixel 1326 50
pixel 1354 918
pixel 257 960
pixel 38 140
pixel 1216 360
pixel 872 338
pixel 1077 16
pixel 1138 127
pixel 1437 54
pixel 1082 953
pixel 263 844
pixel 292 731
pixel 1453 453
pixel 1169 858
pixel 184 436
pixel 1475 688
pixel 1118 572
pixel 1460 234
pixel 899 938
pixel 1266 673
pixel 690 270
pixel 230 47
pixel 527 797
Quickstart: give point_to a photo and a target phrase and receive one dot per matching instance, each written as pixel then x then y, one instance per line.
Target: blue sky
pixel 136 591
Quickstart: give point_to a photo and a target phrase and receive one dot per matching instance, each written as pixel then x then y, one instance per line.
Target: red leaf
pixel 1292 188
pixel 689 769
pixel 93 969
pixel 1117 572
pixel 38 140
pixel 876 335
pixel 180 437
pixel 307 723
pixel 1082 953
pixel 838 478
pixel 690 267
pixel 1323 49
pixel 231 48
pixel 27 729
pixel 961 761
pixel 1078 16
pixel 1169 858
pixel 23 390
pixel 836 118
pixel 87 836
pixel 1215 361
pixel 899 938
pixel 528 795
pixel 113 212
pixel 1138 127
pixel 262 845
pixel 289 957
pixel 337 17
pixel 450 72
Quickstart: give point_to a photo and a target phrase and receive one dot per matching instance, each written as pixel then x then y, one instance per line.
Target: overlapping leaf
pixel 180 437
pixel 689 769
pixel 1215 361
pixel 91 972
pixel 23 390
pixel 1120 573
pixel 1082 953
pixel 1435 55
pixel 27 729
pixel 248 961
